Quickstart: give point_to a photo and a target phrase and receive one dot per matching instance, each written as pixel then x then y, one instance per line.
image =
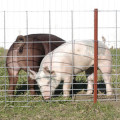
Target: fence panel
pixel 38 28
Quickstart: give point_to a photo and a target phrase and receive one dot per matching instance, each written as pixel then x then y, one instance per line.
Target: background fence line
pixel 76 92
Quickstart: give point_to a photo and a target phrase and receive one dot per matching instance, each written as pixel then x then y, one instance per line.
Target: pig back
pixel 31 49
pixel 80 55
pixel 38 46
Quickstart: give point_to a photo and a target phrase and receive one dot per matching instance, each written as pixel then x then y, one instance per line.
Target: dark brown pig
pixel 22 55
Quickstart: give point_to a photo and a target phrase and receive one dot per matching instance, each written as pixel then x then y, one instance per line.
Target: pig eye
pixel 48 82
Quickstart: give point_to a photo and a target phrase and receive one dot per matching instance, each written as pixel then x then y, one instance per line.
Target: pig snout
pixel 46 95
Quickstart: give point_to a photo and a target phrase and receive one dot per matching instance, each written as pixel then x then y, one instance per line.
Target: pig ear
pixel 47 71
pixel 32 74
pixel 21 38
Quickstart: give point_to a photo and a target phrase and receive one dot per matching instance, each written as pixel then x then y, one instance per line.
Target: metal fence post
pixel 95 52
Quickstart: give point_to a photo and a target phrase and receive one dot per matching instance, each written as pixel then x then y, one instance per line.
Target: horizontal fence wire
pixel 25 91
pixel 66 11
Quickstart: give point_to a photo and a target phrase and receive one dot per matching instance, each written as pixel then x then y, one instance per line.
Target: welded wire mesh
pixel 71 26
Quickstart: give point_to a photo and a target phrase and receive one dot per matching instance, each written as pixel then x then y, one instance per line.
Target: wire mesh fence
pixel 49 55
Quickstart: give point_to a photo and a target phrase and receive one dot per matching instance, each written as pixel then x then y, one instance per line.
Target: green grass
pixel 59 110
pixel 63 111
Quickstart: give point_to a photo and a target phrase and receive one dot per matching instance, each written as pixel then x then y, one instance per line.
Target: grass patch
pixel 62 110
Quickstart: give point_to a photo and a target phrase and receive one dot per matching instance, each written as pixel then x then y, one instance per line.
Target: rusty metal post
pixel 95 52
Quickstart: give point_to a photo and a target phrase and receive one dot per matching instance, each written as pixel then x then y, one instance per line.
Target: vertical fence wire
pixel 27 56
pixel 50 53
pixel 116 60
pixel 72 53
pixel 5 54
pixel 95 52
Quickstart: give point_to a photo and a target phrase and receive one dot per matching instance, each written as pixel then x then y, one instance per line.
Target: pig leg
pixel 90 77
pixel 67 86
pixel 13 78
pixel 31 86
pixel 105 67
pixel 90 84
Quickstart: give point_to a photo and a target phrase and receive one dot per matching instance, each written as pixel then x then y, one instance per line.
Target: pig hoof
pixel 66 95
pixel 33 93
pixel 89 92
pixel 11 95
pixel 109 93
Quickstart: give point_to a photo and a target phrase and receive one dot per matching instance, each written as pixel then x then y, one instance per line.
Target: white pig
pixel 69 59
